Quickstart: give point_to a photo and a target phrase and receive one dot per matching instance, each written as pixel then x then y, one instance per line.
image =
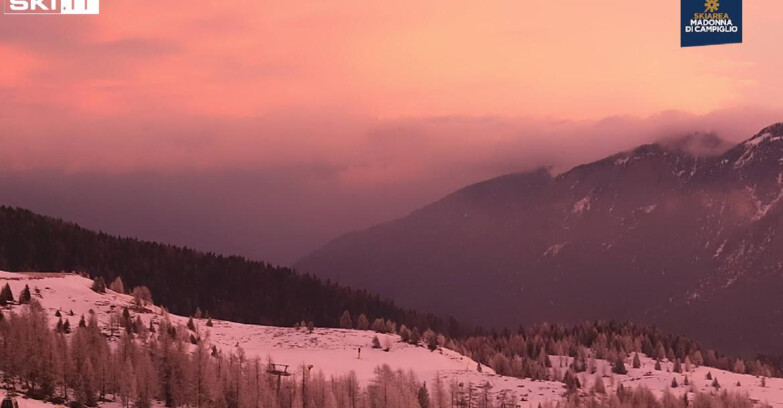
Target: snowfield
pixel 335 351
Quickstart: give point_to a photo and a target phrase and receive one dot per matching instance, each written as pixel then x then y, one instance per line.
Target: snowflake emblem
pixel 711 6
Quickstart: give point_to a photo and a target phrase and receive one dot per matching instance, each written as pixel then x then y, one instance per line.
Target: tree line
pixel 527 352
pixel 175 366
pixel 229 287
pixel 163 363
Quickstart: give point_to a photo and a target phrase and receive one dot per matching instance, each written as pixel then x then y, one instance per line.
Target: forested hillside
pixel 182 279
pixel 125 352
pixel 160 367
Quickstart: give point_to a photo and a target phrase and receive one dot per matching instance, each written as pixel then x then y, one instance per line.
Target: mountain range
pixel 686 234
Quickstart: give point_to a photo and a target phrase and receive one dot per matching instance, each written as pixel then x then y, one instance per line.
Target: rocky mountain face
pixel 659 234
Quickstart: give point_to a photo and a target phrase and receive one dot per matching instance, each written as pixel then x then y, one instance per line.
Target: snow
pixel 581 205
pixel 649 208
pixel 622 161
pixel 762 209
pixel 765 137
pixel 658 381
pixel 334 351
pixel 331 351
pixel 25 402
pixel 554 249
pixel 751 146
pixel 745 158
pixel 758 139
pixel 720 249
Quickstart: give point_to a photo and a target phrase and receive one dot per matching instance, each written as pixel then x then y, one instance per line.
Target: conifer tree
pixel 117 285
pixel 127 384
pixel 697 358
pixel 142 296
pixel 439 397
pixel 6 296
pixel 660 352
pixel 674 382
pixel 405 334
pixel 432 342
pixel 379 326
pixel 619 366
pixel 145 381
pixel 677 366
pixel 362 323
pixel 376 344
pixel 636 362
pixel 345 320
pixel 391 327
pixel 25 296
pixel 415 336
pixel 739 366
pixel 99 285
pixel 424 396
pixel 571 381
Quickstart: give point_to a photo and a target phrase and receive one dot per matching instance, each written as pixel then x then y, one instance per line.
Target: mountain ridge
pixel 665 234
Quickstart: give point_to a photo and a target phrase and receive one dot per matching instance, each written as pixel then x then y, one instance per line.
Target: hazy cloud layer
pixel 277 187
pixel 266 128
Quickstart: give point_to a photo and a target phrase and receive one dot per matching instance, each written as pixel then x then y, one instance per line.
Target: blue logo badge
pixel 709 22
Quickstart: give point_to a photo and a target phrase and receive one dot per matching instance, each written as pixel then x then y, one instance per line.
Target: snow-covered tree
pixel 345 320
pixel 117 285
pixel 379 326
pixel 362 323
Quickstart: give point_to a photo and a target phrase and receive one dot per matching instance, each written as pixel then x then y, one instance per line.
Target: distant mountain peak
pixel 772 132
pixel 767 137
pixel 775 131
pixel 697 144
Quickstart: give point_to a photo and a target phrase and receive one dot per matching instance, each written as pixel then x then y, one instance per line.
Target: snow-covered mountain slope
pixel 331 351
pixel 661 235
pixel 335 351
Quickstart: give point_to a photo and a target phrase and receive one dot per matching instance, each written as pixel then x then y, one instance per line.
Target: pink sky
pixel 413 97
pixel 176 62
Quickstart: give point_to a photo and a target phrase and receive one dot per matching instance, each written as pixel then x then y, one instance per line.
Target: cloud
pixel 324 117
pixel 277 186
